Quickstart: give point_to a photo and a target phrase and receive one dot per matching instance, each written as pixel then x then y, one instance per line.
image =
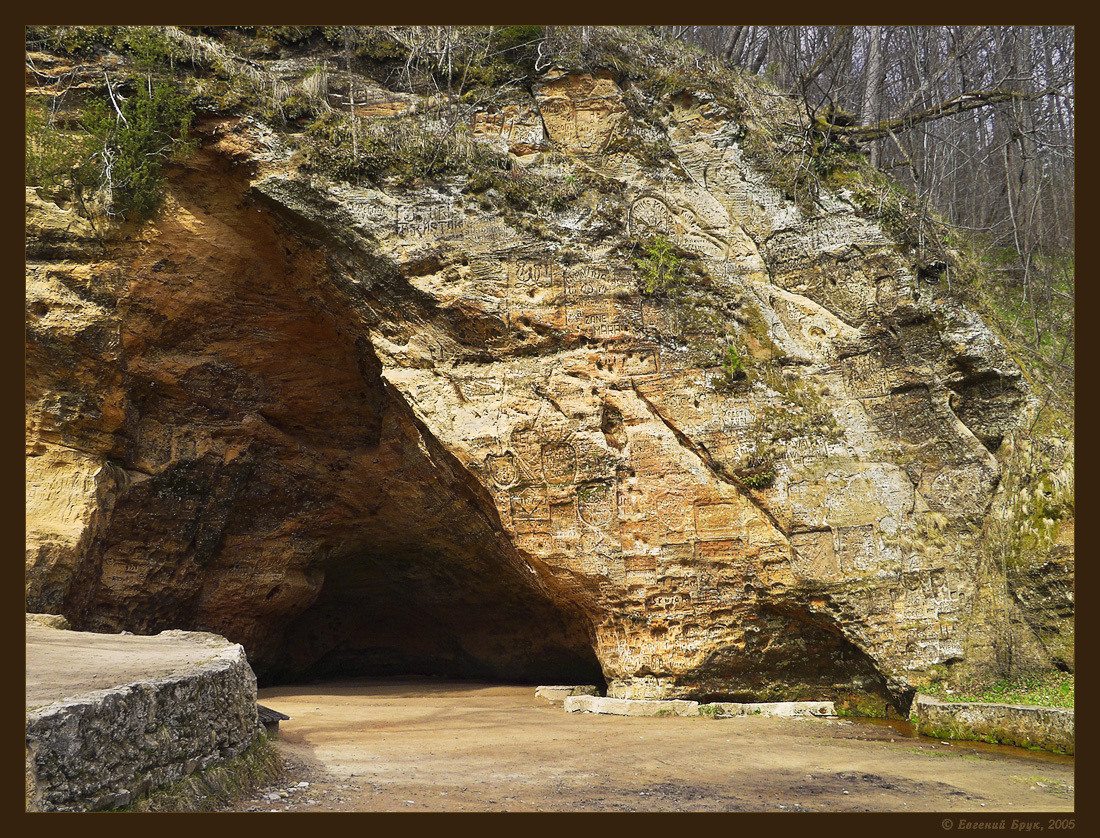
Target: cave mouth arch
pixel 279 490
pixel 285 494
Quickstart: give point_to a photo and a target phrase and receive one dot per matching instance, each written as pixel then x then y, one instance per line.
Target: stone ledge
pixel 54 621
pixel 630 706
pixel 1048 728
pixel 591 703
pixel 108 748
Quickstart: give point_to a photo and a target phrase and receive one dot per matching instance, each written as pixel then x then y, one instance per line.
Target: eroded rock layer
pixel 388 430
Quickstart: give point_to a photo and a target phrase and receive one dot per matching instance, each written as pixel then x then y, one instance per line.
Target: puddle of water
pixel 908 730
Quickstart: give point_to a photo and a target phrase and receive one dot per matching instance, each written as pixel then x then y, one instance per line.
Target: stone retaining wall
pixel 108 748
pixel 1049 728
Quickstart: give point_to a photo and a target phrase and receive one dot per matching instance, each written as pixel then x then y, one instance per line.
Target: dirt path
pixel 428 745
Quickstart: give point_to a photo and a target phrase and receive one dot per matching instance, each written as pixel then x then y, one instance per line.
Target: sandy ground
pixel 428 745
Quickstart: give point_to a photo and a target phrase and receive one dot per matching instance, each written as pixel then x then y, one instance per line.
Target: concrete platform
pixel 630 706
pixel 113 717
pixel 68 664
pixel 558 693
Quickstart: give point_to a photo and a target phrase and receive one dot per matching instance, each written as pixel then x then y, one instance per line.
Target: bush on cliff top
pixel 115 141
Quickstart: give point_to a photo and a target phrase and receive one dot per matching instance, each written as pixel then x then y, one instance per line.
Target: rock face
pixel 369 430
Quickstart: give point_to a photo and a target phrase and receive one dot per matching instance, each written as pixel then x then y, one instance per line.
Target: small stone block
pixel 558 694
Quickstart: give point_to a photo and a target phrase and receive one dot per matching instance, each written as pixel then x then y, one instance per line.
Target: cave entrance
pixel 418 576
pixel 415 612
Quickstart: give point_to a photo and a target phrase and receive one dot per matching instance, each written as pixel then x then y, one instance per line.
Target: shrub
pixel 152 128
pixel 661 266
pixel 345 150
pixel 732 365
pixel 514 38
pixel 118 141
pixel 757 470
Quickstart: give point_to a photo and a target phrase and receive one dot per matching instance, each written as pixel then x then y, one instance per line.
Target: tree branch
pixel 111 93
pixel 839 42
pixel 963 102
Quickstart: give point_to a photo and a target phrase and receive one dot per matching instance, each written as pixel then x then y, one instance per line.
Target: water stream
pixel 908 730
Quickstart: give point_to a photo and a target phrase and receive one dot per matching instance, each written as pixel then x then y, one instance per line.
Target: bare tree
pixel 976 120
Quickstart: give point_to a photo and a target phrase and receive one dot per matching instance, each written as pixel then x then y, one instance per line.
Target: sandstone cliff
pixel 400 425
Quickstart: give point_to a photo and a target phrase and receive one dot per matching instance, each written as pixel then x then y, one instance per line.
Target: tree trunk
pixel 761 56
pixel 732 42
pixel 871 109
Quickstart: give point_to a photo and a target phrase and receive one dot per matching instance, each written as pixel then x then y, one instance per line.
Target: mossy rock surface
pixel 219 785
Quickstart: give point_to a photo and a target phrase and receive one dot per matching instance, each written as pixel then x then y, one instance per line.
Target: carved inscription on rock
pixel 587 281
pixel 673 514
pixel 857 548
pixel 502 469
pixel 441 221
pixel 815 555
pixel 637 360
pixel 559 463
pixel 650 215
pixel 597 504
pixel 723 518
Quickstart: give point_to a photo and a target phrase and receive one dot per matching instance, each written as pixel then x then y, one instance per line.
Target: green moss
pixel 147 46
pixel 958 730
pixel 219 785
pixel 591 491
pixel 287 35
pixel 517 40
pixel 57 155
pixel 381 47
pixel 79 41
pixel 864 705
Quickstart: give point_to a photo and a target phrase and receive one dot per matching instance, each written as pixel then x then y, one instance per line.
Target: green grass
pixel 1054 689
pixel 1047 784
